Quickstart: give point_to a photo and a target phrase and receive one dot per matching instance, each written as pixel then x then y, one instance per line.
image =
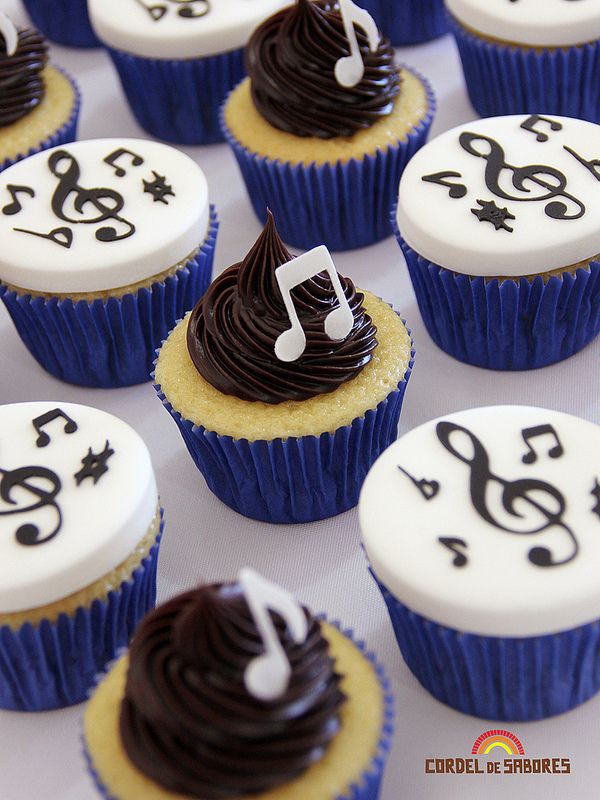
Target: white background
pixel 321 563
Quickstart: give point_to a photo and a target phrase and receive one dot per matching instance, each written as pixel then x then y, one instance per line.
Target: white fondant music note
pixel 291 343
pixel 350 69
pixel 267 676
pixel 10 34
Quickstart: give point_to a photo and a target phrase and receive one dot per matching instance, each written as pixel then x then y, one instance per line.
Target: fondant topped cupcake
pixel 99 214
pixel 178 28
pixel 77 494
pixel 488 521
pixel 535 22
pixel 515 195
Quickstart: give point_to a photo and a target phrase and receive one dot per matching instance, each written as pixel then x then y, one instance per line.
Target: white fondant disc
pixel 87 522
pixel 533 22
pixel 78 218
pixel 178 29
pixel 514 195
pixel 520 554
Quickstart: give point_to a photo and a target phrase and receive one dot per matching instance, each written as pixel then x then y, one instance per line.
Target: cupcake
pixel 39 104
pixel 178 59
pixel 234 690
pixel 522 57
pixel 80 528
pixel 409 21
pixel 481 528
pixel 63 21
pixel 105 245
pixel 324 125
pixel 286 383
pixel 498 222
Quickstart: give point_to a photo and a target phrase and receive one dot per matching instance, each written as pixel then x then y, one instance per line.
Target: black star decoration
pixel 489 212
pixel 596 495
pixel 159 188
pixel 94 464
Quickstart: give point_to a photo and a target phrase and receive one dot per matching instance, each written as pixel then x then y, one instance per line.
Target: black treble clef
pixel 107 202
pixel 524 490
pixel 28 533
pixel 532 173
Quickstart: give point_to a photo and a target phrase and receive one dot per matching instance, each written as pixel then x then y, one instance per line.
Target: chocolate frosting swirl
pixel 21 84
pixel 187 721
pixel 233 328
pixel 291 59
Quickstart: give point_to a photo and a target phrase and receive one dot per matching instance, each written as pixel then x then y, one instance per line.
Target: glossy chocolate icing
pixel 21 84
pixel 291 59
pixel 233 328
pixel 188 722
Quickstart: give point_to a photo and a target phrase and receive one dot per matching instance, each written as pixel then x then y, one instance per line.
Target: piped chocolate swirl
pixel 188 722
pixel 21 83
pixel 291 62
pixel 233 329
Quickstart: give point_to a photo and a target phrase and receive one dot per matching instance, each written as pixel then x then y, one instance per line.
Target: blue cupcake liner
pixel 408 21
pixel 369 784
pixel 499 678
pixel 298 479
pixel 343 205
pixel 63 21
pixel 65 134
pixel 517 324
pixel 509 79
pixel 54 664
pixel 179 100
pixel 110 343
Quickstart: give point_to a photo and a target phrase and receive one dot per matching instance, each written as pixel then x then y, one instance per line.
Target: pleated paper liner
pixel 63 21
pixel 517 324
pixel 179 100
pixel 512 79
pixel 54 664
pixel 369 785
pixel 65 134
pixel 110 343
pixel 343 205
pixel 407 22
pixel 498 678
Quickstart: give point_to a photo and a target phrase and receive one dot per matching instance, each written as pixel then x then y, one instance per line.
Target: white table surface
pixel 322 562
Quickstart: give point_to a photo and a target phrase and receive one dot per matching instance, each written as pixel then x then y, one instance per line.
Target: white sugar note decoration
pixel 350 69
pixel 9 33
pixel 267 676
pixel 291 343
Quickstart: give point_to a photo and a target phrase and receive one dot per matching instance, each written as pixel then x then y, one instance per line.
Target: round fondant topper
pixel 551 23
pixel 178 28
pixel 488 520
pixel 77 494
pixel 99 214
pixel 515 195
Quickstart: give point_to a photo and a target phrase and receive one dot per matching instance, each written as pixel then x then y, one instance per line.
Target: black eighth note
pixel 457 190
pixel 460 559
pixel 532 121
pixel 428 489
pixel 15 206
pixel 556 451
pixel 45 419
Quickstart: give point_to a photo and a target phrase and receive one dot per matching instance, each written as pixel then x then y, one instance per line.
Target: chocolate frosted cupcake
pixel 63 21
pixel 286 383
pixel 325 124
pixel 233 690
pixel 39 105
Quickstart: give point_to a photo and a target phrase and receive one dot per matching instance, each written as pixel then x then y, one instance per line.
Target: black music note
pixel 112 159
pixel 496 164
pixel 93 465
pixel 61 236
pixel 428 489
pixel 457 190
pixel 45 419
pixel 28 534
pixel 460 559
pixel 596 495
pixel 189 10
pixel 15 206
pixel 521 491
pixel 593 166
pixel 68 188
pixel 531 122
pixel 490 212
pixel 556 451
pixel 158 188
pixel 157 12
